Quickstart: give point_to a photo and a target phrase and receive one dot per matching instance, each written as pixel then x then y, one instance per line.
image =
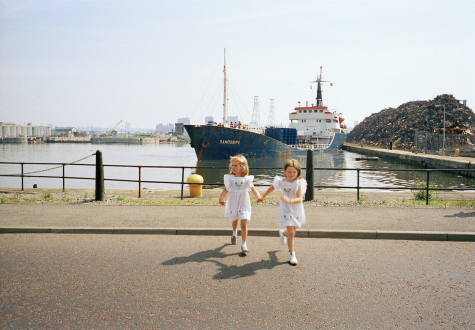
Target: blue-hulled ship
pixel 311 127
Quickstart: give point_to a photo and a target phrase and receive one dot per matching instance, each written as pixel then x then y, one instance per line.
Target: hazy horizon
pixel 94 63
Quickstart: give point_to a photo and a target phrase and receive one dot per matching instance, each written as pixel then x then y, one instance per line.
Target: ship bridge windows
pixel 321 111
pixel 304 121
pixel 309 111
pixel 305 111
pixel 328 120
pixel 300 111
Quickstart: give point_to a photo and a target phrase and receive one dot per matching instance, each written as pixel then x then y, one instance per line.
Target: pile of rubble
pixel 399 125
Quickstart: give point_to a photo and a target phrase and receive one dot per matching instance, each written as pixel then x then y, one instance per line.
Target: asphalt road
pixel 181 282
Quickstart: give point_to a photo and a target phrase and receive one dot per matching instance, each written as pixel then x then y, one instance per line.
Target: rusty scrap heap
pixel 399 125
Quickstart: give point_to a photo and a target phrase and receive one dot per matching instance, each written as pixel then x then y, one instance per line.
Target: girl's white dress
pixel 238 203
pixel 290 214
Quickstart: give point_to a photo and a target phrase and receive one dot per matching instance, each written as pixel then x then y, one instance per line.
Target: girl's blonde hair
pixel 242 161
pixel 295 164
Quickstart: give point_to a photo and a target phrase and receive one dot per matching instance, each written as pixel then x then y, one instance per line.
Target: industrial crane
pixel 113 128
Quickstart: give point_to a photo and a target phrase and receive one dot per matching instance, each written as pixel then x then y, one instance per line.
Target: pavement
pixel 329 216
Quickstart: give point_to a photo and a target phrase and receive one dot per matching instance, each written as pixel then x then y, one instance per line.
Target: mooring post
pixel 309 176
pixel 22 176
pixel 99 176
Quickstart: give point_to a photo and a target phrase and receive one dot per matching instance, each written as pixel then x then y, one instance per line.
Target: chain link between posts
pixel 49 169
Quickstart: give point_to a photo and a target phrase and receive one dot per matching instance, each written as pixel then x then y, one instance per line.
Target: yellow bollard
pixel 457 152
pixel 195 189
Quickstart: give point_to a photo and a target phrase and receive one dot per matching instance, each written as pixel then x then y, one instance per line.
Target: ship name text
pixel 229 142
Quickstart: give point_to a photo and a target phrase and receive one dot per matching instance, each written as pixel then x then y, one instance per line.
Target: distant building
pixel 65 131
pixel 179 129
pixel 128 127
pixel 185 121
pixel 161 128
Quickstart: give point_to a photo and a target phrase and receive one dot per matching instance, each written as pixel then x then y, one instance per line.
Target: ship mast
pixel 225 95
pixel 319 89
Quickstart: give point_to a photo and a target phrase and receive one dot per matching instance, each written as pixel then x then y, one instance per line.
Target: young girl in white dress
pixel 291 212
pixel 238 204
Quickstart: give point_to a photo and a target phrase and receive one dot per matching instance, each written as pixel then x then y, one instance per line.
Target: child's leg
pixel 244 230
pixel 290 233
pixel 234 235
pixel 244 248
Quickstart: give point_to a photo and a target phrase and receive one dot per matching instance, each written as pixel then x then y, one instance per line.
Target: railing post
pixel 140 180
pixel 357 184
pixel 22 176
pixel 182 180
pixel 99 176
pixel 310 177
pixel 427 189
pixel 64 183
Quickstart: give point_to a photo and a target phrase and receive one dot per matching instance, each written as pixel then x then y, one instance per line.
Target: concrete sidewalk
pixel 361 222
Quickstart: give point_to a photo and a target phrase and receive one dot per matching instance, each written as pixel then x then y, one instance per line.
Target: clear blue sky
pixel 81 63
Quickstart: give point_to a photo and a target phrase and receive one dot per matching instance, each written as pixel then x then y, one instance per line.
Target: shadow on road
pixel 233 272
pixel 461 215
pixel 228 271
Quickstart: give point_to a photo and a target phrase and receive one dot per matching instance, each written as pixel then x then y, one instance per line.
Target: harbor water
pixel 184 155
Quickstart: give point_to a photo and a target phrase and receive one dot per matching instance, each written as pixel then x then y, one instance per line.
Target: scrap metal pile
pixel 399 125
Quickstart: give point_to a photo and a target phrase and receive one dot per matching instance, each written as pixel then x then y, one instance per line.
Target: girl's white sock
pixel 234 232
pixel 243 243
pixel 292 254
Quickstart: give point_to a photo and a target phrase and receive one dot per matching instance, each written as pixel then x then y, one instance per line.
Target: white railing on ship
pixel 309 146
pixel 256 129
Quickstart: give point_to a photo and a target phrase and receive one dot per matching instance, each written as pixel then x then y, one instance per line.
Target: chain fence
pixel 49 169
pixel 433 143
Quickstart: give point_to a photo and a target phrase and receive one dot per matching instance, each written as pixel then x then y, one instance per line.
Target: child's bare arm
pixel 223 194
pixel 271 189
pixel 295 200
pixel 256 193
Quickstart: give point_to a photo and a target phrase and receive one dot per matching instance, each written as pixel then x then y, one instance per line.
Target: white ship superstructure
pixel 316 124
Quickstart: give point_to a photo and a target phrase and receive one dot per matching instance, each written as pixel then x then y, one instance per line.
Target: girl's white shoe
pixel 283 238
pixel 293 259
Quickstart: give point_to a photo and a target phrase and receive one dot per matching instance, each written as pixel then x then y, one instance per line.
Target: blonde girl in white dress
pixel 291 211
pixel 238 204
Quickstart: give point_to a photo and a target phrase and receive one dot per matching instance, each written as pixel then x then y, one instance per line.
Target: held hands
pixel 260 199
pixel 221 202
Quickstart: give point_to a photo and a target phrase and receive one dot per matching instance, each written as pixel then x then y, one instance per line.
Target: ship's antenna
pixel 255 113
pixel 271 113
pixel 225 95
pixel 319 82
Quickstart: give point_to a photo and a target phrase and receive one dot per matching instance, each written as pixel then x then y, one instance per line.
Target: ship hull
pixel 217 142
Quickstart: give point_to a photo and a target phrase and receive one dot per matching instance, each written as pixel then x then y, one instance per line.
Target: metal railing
pixel 313 146
pixel 358 187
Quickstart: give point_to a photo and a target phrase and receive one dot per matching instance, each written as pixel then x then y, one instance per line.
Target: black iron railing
pixel 22 175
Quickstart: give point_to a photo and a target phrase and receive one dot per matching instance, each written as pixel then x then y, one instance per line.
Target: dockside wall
pixel 421 160
pixel 108 140
pixel 14 140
